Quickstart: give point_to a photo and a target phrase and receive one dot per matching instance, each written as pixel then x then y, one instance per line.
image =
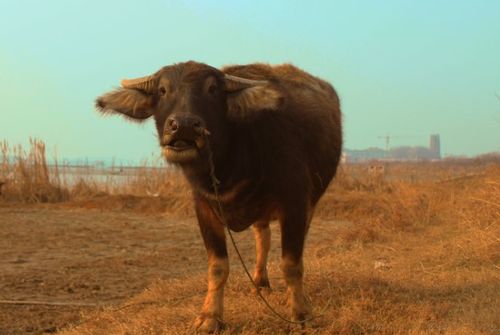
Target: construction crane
pixel 387 139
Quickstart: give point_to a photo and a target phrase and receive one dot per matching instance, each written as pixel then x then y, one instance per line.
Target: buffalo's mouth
pixel 181 144
pixel 182 150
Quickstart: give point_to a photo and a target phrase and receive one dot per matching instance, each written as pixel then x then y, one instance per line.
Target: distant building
pixel 398 153
pixel 435 146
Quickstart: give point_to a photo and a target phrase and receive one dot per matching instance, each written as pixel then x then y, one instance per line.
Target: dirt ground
pixel 84 256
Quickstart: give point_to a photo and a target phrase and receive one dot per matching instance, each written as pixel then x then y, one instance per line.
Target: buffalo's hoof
pixel 303 318
pixel 302 313
pixel 263 286
pixel 305 322
pixel 208 324
pixel 264 290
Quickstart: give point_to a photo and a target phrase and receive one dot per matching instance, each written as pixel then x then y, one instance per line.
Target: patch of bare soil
pixel 84 256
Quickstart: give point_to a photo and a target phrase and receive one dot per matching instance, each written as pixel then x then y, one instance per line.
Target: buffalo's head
pixel 191 103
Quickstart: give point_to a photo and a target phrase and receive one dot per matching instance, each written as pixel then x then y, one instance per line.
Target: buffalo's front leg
pixel 212 231
pixel 294 226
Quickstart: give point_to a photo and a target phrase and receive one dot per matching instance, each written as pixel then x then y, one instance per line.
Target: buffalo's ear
pixel 246 98
pixel 134 104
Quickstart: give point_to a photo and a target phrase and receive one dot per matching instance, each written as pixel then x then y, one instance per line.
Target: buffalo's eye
pixel 162 90
pixel 212 89
pixel 210 86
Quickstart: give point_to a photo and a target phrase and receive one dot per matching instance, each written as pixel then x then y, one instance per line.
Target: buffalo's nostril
pixel 197 126
pixel 200 129
pixel 172 124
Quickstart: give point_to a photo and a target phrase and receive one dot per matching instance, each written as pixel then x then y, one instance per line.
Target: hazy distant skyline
pixel 404 68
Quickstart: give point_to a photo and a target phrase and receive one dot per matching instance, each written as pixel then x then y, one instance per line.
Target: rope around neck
pixel 220 213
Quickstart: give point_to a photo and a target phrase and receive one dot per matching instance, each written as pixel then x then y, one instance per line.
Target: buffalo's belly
pixel 240 217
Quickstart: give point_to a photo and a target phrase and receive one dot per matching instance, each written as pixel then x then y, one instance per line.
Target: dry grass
pixel 26 174
pixel 415 251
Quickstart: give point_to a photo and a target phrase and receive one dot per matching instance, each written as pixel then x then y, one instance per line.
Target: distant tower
pixel 435 146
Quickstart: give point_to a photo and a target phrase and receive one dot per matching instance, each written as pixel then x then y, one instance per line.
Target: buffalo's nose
pixel 177 122
pixel 180 123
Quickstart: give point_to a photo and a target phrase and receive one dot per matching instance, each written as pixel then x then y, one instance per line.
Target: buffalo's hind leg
pixel 262 234
pixel 210 319
pixel 294 225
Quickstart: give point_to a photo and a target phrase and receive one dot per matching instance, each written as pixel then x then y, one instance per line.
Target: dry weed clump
pixel 26 174
pixel 479 214
pixel 399 201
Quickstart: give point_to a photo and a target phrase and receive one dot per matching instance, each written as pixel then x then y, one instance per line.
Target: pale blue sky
pixel 407 68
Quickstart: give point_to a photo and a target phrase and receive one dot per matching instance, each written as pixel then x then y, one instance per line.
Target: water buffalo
pixel 274 135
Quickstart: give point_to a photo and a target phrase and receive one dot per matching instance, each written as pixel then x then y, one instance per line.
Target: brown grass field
pixel 414 250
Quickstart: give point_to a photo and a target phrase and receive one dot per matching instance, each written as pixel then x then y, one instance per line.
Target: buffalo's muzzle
pixel 184 135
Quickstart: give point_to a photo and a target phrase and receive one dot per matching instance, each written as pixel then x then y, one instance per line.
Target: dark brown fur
pixel 275 147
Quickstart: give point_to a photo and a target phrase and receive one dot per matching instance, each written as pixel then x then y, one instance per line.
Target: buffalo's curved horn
pixel 234 83
pixel 144 83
